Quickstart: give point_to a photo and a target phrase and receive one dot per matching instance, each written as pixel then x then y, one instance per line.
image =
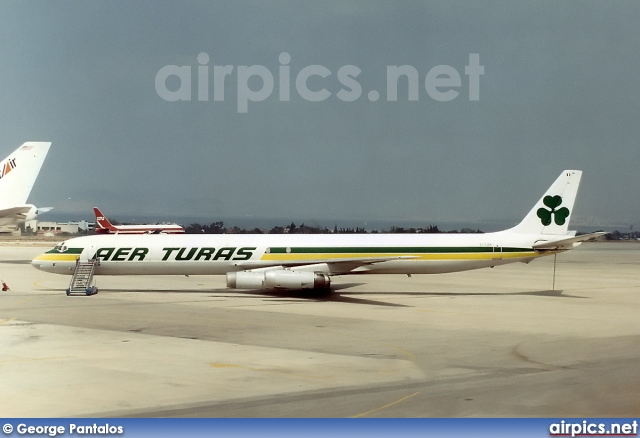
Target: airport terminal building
pixel 73 227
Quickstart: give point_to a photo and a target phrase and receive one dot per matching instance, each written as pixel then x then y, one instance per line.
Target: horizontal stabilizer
pixel 567 243
pixel 18 212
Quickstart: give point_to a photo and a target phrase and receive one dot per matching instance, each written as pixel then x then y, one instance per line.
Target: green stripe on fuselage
pixel 393 250
pixel 66 251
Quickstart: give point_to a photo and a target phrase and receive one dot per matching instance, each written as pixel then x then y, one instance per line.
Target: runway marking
pixel 225 365
pixel 364 414
pixel 264 370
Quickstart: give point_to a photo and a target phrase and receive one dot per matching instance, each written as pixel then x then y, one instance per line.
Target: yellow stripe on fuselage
pixel 413 256
pixel 58 257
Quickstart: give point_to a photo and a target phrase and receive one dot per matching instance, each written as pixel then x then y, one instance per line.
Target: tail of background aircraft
pixel 102 221
pixel 552 212
pixel 18 172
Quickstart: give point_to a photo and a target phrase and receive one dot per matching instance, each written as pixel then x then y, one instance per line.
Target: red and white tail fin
pixel 18 172
pixel 102 221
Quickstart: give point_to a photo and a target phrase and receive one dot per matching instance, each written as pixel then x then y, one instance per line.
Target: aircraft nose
pixel 36 263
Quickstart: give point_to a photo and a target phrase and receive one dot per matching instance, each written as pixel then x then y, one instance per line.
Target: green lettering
pixel 244 254
pixel 224 252
pixel 206 253
pixel 168 252
pixel 120 254
pixel 140 253
pixel 104 253
pixel 189 255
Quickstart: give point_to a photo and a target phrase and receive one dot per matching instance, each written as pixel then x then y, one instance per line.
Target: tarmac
pixel 501 342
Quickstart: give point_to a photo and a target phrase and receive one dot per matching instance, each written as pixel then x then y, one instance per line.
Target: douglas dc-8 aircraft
pixel 307 261
pixel 18 173
pixel 104 226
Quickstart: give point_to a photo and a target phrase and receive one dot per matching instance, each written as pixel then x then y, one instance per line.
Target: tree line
pixel 219 228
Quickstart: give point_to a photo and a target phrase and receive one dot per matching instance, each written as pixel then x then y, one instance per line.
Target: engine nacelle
pixel 277 279
pixel 245 280
pixel 285 279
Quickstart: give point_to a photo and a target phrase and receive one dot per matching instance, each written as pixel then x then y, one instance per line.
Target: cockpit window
pixel 61 247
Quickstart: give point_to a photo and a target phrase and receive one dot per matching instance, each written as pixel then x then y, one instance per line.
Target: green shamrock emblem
pixel 559 215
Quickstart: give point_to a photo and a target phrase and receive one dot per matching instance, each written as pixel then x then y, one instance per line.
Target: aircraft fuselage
pixel 221 253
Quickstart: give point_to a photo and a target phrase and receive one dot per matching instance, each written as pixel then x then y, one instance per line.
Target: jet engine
pixel 277 279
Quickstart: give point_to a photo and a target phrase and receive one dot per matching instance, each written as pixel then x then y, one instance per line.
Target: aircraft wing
pixel 335 266
pixel 567 243
pixel 18 212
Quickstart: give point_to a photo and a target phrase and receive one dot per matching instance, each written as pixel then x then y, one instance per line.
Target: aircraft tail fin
pixel 18 172
pixel 101 220
pixel 552 212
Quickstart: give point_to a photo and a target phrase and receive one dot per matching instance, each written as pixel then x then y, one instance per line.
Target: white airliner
pixel 307 261
pixel 18 173
pixel 105 227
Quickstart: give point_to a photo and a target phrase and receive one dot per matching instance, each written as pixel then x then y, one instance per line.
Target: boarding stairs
pixel 82 279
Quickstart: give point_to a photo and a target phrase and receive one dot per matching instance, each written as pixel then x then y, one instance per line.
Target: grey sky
pixel 561 90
